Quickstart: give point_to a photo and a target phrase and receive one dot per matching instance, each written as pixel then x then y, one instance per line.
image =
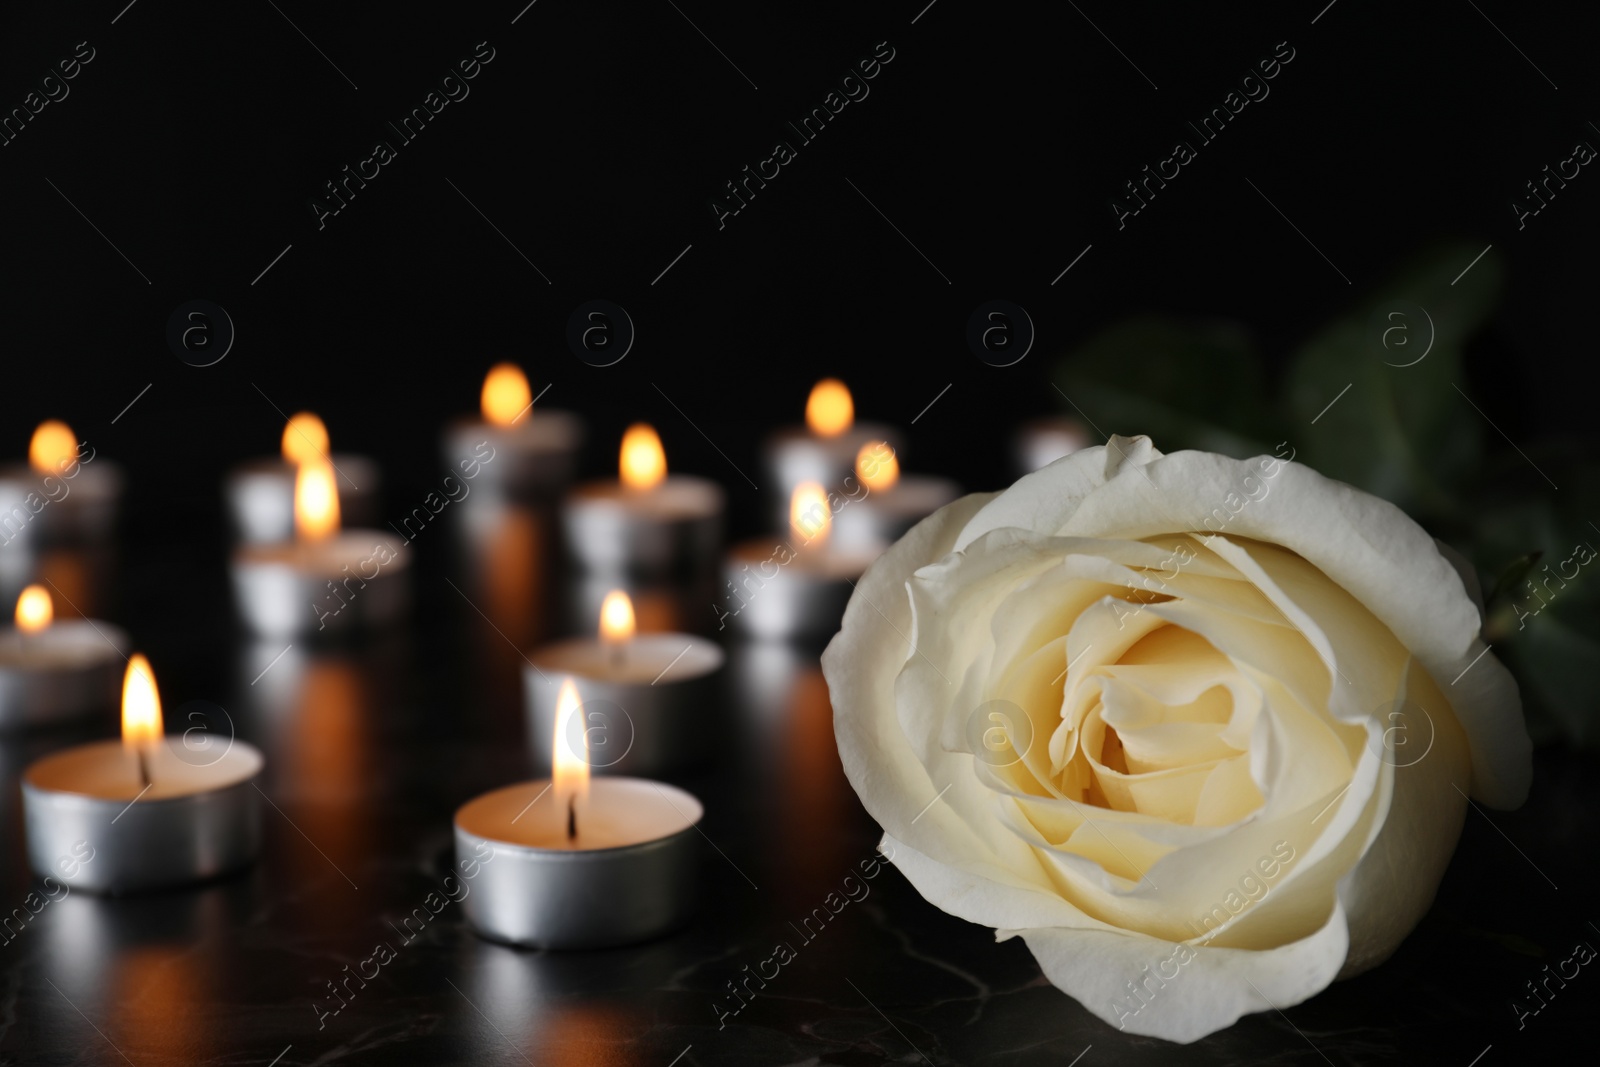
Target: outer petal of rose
pixel 861 664
pixel 1369 547
pixel 1209 992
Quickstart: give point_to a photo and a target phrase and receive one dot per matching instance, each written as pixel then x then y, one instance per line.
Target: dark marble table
pixel 370 749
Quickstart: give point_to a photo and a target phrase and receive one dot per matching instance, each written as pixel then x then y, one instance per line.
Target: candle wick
pixel 572 818
pixel 144 769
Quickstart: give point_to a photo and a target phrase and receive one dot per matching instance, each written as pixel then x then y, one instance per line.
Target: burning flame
pixel 877 466
pixel 644 462
pixel 809 513
pixel 316 501
pixel 305 439
pixel 829 409
pixel 141 705
pixel 616 618
pixel 506 397
pixel 34 610
pixel 569 768
pixel 53 445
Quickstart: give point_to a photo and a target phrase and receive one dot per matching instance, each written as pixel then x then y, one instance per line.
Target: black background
pixel 994 141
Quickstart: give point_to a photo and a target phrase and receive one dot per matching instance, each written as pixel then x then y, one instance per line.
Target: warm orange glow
pixel 305 439
pixel 506 397
pixel 643 462
pixel 569 769
pixel 141 705
pixel 808 512
pixel 877 466
pixel 34 610
pixel 829 409
pixel 316 501
pixel 616 618
pixel 54 445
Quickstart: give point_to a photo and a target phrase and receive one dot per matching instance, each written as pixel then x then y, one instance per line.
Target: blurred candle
pixel 56 671
pixel 646 520
pixel 325 580
pixel 518 448
pixel 260 493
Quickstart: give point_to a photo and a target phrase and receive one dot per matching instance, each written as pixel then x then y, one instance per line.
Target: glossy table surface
pixel 371 748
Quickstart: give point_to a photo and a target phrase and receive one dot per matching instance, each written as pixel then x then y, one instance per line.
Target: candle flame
pixel 569 763
pixel 829 409
pixel 808 512
pixel 305 439
pixel 644 462
pixel 877 466
pixel 616 618
pixel 316 501
pixel 53 446
pixel 506 398
pixel 34 609
pixel 141 705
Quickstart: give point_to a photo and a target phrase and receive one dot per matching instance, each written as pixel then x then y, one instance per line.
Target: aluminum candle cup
pixel 883 516
pixel 261 497
pixel 772 591
pixel 534 458
pixel 1043 441
pixel 651 711
pixel 797 455
pixel 354 580
pixel 200 818
pixel 673 526
pixel 628 876
pixel 40 508
pixel 69 670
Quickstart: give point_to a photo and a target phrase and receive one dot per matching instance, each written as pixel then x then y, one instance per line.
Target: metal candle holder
pixel 199 819
pixel 330 587
pixel 69 670
pixel 653 713
pixel 260 497
pixel 535 458
pixel 540 891
pixel 675 526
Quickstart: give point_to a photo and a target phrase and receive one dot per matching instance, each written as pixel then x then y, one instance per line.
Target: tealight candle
pixel 53 671
pixel 571 862
pixel 893 504
pixel 824 450
pixel 63 493
pixel 324 580
pixel 794 591
pixel 518 450
pixel 646 521
pixel 647 698
pixel 155 812
pixel 1041 442
pixel 261 493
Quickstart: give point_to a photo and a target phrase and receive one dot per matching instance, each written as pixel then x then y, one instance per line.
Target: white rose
pixel 1200 730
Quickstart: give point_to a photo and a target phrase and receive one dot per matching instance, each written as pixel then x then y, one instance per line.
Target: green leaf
pixel 1185 384
pixel 1377 405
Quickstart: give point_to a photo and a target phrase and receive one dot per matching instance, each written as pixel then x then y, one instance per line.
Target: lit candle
pixel 54 671
pixel 517 448
pixel 646 521
pixel 822 451
pixel 648 699
pixel 63 493
pixel 575 862
pixel 1041 442
pixel 153 812
pixel 893 502
pixel 260 493
pixel 798 587
pixel 324 580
